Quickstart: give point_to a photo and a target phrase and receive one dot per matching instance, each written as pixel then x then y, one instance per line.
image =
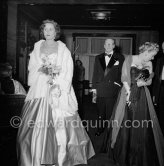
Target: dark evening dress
pixel 135 144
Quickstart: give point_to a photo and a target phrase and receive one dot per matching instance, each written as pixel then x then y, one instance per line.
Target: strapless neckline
pixel 47 54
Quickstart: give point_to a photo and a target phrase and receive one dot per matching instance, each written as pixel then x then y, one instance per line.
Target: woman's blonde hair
pixel 56 26
pixel 149 46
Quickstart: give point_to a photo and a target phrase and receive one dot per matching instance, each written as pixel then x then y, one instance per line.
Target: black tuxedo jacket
pixel 157 78
pixel 106 79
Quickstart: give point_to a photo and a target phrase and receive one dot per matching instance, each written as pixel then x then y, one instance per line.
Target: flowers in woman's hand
pixel 49 66
pixel 50 69
pixel 144 75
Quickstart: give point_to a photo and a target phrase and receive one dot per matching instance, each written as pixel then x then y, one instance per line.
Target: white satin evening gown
pixel 51 132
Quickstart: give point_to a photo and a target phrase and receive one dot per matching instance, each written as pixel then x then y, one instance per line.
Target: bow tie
pixel 109 55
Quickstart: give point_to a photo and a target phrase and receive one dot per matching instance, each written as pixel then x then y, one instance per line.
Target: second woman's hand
pixel 141 82
pixel 128 97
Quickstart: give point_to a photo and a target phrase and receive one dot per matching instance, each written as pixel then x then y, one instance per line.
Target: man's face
pixel 109 45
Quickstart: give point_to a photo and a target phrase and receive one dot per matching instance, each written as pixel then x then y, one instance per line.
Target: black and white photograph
pixel 82 83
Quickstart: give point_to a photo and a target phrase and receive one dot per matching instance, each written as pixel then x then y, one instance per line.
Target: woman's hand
pixel 43 70
pixel 127 97
pixel 50 70
pixel 56 69
pixel 127 89
pixel 141 82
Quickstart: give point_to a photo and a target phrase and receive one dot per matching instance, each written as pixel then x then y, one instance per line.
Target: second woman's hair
pixel 149 46
pixel 55 24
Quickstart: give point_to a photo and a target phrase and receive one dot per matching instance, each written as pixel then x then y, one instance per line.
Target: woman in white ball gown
pixel 51 132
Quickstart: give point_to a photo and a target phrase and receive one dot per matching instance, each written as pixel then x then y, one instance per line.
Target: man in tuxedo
pixel 106 82
pixel 158 87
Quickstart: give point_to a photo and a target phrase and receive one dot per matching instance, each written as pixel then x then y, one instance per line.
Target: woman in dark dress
pixel 136 138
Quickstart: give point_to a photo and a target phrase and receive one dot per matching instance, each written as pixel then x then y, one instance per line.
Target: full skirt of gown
pixel 50 136
pixel 136 143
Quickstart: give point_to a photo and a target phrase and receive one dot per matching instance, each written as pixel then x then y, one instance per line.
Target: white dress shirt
pixel 107 59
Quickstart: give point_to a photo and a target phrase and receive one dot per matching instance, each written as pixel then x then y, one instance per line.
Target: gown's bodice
pixel 49 59
pixel 137 74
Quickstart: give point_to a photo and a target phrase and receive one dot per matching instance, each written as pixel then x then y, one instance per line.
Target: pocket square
pixel 116 63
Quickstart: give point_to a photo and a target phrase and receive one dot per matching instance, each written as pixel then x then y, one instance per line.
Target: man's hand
pixel 94 96
pixel 154 101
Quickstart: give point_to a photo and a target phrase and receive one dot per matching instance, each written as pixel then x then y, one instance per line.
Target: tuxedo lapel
pixel 102 61
pixel 111 62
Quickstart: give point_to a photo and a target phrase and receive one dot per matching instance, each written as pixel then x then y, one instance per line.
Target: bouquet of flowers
pixel 52 71
pixel 49 67
pixel 144 75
